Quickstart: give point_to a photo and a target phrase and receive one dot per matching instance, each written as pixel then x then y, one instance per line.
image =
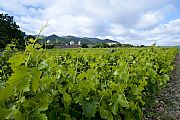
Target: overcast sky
pixel 126 21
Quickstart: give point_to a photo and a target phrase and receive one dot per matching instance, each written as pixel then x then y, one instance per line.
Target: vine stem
pixel 28 59
pixel 76 70
pixel 100 100
pixel 41 30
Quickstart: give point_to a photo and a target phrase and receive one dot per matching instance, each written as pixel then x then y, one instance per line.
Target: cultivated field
pixel 81 84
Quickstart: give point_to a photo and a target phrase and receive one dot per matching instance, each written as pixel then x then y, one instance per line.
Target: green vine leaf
pixel 20 79
pixel 89 109
pixel 35 79
pixel 6 92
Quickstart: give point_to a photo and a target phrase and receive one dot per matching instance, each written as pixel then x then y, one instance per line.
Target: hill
pixel 84 40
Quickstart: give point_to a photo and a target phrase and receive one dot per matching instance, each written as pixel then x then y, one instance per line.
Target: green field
pixel 82 84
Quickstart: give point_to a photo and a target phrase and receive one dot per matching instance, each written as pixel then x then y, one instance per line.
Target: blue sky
pixel 126 21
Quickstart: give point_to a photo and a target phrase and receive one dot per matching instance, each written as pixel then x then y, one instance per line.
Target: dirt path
pixel 167 104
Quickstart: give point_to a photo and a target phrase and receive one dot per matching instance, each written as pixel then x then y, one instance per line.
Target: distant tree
pixel 84 46
pixel 30 36
pixel 119 45
pixel 102 45
pixel 127 45
pixel 113 45
pixel 142 45
pixel 10 32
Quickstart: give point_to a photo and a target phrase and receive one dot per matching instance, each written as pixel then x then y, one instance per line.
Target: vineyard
pixel 81 84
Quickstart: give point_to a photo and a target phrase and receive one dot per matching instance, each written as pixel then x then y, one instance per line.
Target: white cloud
pixel 149 19
pixel 12 6
pixel 130 21
pixel 173 27
pixel 153 18
pixel 68 24
pixel 116 29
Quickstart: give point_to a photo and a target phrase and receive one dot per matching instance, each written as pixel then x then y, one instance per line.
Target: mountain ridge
pixel 84 40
